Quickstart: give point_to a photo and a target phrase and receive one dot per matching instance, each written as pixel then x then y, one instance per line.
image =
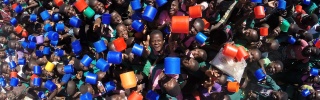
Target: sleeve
pixel 162 17
pixel 66 78
pixel 272 83
pixel 303 43
pixel 204 4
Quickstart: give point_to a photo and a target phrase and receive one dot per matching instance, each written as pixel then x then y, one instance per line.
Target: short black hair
pixel 61 8
pixel 313 18
pixel 279 62
pixel 154 32
pixel 199 22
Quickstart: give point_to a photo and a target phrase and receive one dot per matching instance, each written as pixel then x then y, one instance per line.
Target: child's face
pixel 274 68
pixel 250 34
pixel 69 10
pixel 3 54
pixel 150 2
pixel 13 37
pixel 54 58
pixel 98 7
pixel 254 55
pixel 190 64
pixel 119 2
pixel 116 18
pixel 5 68
pixel 3 40
pixel 15 45
pixel 174 8
pixel 308 51
pixel 156 41
pixel 315 95
pixel 197 53
pixel 122 32
pixel 190 2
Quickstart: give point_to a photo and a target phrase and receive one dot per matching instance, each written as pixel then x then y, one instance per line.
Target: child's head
pixel 122 31
pixel 197 26
pixel 3 54
pixel 310 20
pixel 222 79
pixel 274 67
pixel 115 18
pixel 190 64
pixel 190 2
pixel 86 87
pixel 219 96
pixel 170 86
pixel 60 69
pixel 71 88
pixel 5 68
pixel 118 97
pixel 270 45
pixel 111 47
pixel 54 58
pixel 97 6
pixel 67 10
pixel 174 7
pixel 156 40
pixel 101 75
pixel 7 28
pixel 309 51
pixel 13 44
pixel 251 35
pixel 255 55
pixel 277 95
pixel 199 54
pixel 314 96
pixel 3 40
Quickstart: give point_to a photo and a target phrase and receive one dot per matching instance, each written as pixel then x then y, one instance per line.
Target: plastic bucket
pixel 2 82
pixel 264 31
pixel 91 78
pixel 135 96
pixel 201 38
pixel 6 2
pixel 135 5
pixel 151 95
pixel 37 70
pixel 76 47
pixel 292 40
pixel 161 2
pixel 298 8
pixel 110 86
pixel 259 74
pixel 54 36
pixel 256 1
pixel 86 60
pixel 58 2
pixel 138 26
pixel 128 80
pixel 195 11
pixel 22 61
pixel 314 72
pixel 89 12
pixel 46 50
pixel 120 44
pixel 39 53
pixel 39 39
pixel 45 15
pixel 306 2
pixel 18 29
pixel 13 74
pixel 56 17
pixel 102 65
pixel 48 28
pixel 68 69
pixel 59 27
pixel 137 49
pixel 14 82
pixel 24 34
pixel 259 12
pixel 49 67
pixel 284 26
pixel 32 38
pixel 172 65
pixel 80 5
pixel 106 19
pixel 317 44
pixel 180 24
pixel 33 76
pixel 13 22
pixel 37 81
pixel 54 43
pixel 206 24
pixel 75 22
pixel 86 96
pixel 100 46
pixel 149 13
pixel 32 45
pixel 282 4
pixel 12 65
pixel 50 85
pixel 230 50
pixel 59 52
pixel 233 86
pixel 24 44
pixel 18 9
pixel 114 57
pixel 33 17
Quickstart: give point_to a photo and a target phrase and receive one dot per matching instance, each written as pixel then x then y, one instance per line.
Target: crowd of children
pixel 159 49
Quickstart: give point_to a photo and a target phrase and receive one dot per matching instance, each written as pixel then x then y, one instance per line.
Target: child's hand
pixel 208 84
pixel 96 26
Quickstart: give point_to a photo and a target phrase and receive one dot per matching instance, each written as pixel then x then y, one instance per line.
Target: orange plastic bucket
pixel 128 80
pixel 196 95
pixel 13 6
pixel 59 2
pixel 13 74
pixel 195 11
pixel 263 31
pixel 24 34
pixel 259 12
pixel 18 29
pixel 33 76
pixel 242 53
pixel 180 24
pixel 120 44
pixel 206 24
pixel 230 50
pixel 233 86
pixel 298 8
pixel 135 96
pixel 317 44
pixel 81 5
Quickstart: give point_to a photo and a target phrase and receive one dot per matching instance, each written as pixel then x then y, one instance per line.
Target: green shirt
pixel 266 62
pixel 237 95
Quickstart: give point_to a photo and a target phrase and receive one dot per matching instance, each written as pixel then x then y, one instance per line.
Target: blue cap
pixel 54 43
pixel 106 19
pixel 110 86
pixel 48 27
pixel 39 53
pixel 138 26
pixel 135 5
pixel 18 9
pixel 137 49
pixel 56 17
pixel 86 96
pixel 14 82
pixel 76 47
pixel 114 57
pixel 59 52
pixel 59 27
pixel 24 44
pixel 22 61
pixel 46 51
pixel 151 95
pixel 172 65
pixel 6 2
pixel 149 13
pixel 37 70
pixel 50 85
pixel 282 4
pixel 260 75
pixel 305 92
pixel 41 95
pixel 100 46
pixel 102 65
pixel 68 69
pixel 75 22
pixel 91 78
pixel 12 65
pixel 161 2
pixel 13 22
pixel 314 72
pixel 86 60
pixel 33 17
pixel 201 38
pixel 32 38
pixel 45 15
pixel 32 45
pixel 2 82
pixel 37 81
